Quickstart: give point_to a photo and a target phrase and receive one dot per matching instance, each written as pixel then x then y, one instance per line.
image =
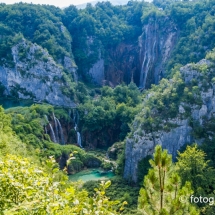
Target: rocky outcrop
pixel 139 147
pixel 70 65
pixel 141 143
pixel 35 75
pixel 96 72
pixel 116 149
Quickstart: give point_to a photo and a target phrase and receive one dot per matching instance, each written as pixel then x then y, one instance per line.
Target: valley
pixel 119 96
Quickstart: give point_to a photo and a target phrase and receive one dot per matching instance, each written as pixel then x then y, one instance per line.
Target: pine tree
pixel 162 193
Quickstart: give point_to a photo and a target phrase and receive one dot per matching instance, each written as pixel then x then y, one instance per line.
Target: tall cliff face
pixel 96 72
pixel 138 147
pixel 194 110
pixel 34 75
pixel 141 61
pixel 156 43
pixel 123 64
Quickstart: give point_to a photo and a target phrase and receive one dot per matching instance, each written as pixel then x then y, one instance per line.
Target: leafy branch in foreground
pixel 31 190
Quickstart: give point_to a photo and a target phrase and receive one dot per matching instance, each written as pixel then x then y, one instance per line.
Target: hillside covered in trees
pixel 126 90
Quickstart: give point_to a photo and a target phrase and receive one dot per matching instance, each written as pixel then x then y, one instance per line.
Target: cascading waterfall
pixel 146 71
pixel 56 136
pixel 62 141
pixel 79 139
pixel 75 127
pixel 56 128
pixel 78 136
pixel 76 119
pixel 142 72
pixel 143 64
pixel 52 134
pixel 149 56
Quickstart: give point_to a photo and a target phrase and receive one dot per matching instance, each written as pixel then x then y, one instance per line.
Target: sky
pixel 58 3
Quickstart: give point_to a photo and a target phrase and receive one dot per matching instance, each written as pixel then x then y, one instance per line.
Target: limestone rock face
pixel 140 61
pixel 71 67
pixel 97 72
pixel 123 64
pixel 140 143
pixel 156 43
pixel 139 147
pixel 35 75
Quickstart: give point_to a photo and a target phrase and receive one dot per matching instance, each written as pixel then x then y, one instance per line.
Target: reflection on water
pixel 9 103
pixel 91 175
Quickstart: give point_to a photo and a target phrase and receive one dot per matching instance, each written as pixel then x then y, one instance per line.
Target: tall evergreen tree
pixel 162 192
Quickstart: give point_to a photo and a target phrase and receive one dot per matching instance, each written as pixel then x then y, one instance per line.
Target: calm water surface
pixel 91 175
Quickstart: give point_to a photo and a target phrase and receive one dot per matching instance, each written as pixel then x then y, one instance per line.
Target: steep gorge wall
pixel 123 64
pixel 35 75
pixel 141 61
pixel 182 127
pixel 156 43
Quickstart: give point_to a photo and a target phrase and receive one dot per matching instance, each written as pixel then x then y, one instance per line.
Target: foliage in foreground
pixel 28 189
pixel 162 189
pixel 120 189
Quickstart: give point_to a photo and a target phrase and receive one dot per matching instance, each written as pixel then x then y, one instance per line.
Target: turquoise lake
pixel 92 175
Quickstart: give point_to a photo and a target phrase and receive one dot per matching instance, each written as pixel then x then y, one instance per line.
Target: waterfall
pixel 150 54
pixel 148 47
pixel 52 134
pixel 143 64
pixel 146 72
pixel 56 128
pixel 142 72
pixel 79 139
pixel 78 136
pixel 62 141
pixel 76 119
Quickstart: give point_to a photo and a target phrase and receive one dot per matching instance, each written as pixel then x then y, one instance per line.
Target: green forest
pixel 80 133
